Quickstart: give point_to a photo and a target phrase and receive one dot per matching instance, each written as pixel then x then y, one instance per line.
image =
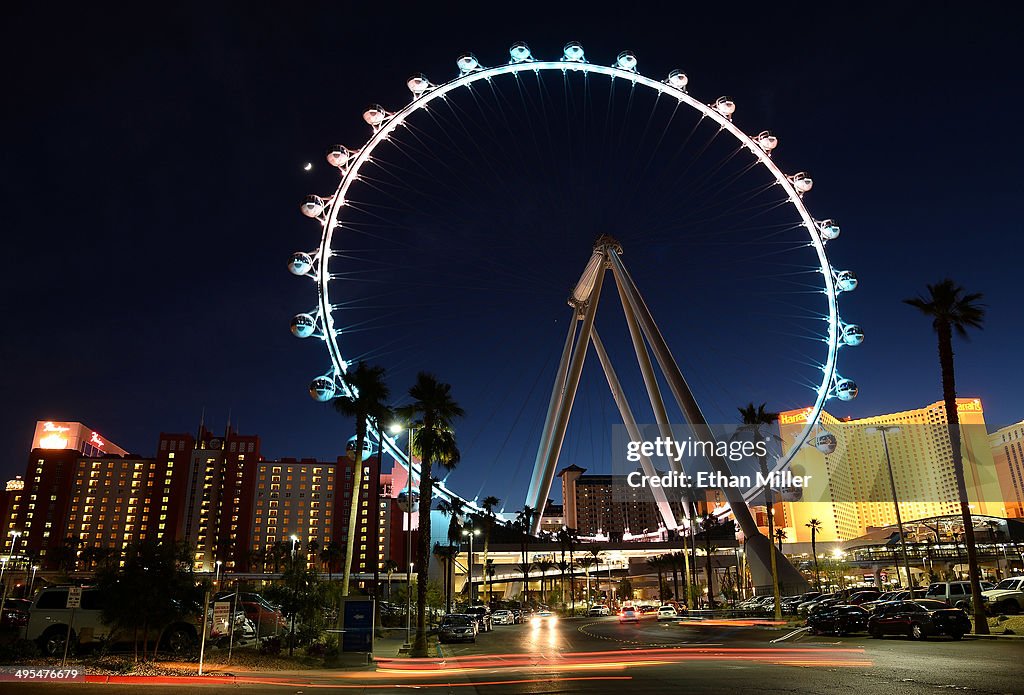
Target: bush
pixel 19 650
pixel 271 646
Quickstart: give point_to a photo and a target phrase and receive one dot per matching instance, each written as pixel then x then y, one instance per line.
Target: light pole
pixel 295 596
pixel 469 565
pixel 883 430
pixel 397 429
pixel 216 576
pixel 3 567
pixel 32 584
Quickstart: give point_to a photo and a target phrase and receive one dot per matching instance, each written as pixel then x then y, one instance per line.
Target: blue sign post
pixel 357 625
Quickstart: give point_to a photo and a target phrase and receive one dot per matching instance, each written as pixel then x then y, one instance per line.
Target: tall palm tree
pixel 815 526
pixel 952 309
pixel 366 401
pixel 489 573
pixel 657 563
pixel 432 414
pixel 673 563
pixel 330 555
pixel 754 420
pixel 780 535
pixel 595 555
pixel 709 523
pixel 488 503
pixel 544 565
pixel 453 510
pixel 524 522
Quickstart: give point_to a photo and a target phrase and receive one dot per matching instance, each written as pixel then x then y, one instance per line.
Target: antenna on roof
pixel 202 425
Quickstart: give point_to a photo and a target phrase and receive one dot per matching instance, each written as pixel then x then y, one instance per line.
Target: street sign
pixel 74 597
pixel 221 618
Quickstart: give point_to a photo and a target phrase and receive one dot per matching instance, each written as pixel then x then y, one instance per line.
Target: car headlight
pixel 535 622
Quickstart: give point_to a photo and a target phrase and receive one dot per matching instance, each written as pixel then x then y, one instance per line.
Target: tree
pixel 330 555
pixel 489 572
pixel 754 419
pixel 365 401
pixel 595 555
pixel 952 309
pixel 815 526
pixel 709 523
pixel 780 535
pixel 657 563
pixel 488 503
pixel 432 414
pixel 524 522
pixel 453 510
pixel 544 565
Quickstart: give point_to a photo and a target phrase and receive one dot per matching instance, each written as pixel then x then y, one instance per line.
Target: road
pixel 598 655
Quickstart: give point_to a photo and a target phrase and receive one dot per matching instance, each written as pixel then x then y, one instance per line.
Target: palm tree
pixel 453 510
pixel 754 419
pixel 365 401
pixel 657 563
pixel 780 535
pixel 815 526
pixel 313 552
pixel 951 309
pixel 432 414
pixel 673 562
pixel 544 566
pixel 584 563
pixel 489 503
pixel 595 555
pixel 524 522
pixel 489 572
pixel 330 555
pixel 709 523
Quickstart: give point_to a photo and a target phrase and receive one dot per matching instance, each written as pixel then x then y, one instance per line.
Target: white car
pixel 667 612
pixel 1006 597
pixel 596 611
pixel 503 617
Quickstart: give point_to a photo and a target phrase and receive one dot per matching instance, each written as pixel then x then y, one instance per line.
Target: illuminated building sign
pixel 73 435
pixel 791 417
pixel 971 406
pixel 16 484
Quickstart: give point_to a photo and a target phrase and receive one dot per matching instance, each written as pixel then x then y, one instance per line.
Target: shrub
pixel 271 646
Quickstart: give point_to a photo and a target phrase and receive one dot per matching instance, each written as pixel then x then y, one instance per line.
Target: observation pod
pixel 678 79
pixel 418 84
pixel 802 182
pixel 338 155
pixel 829 229
pixel 572 52
pixel 312 206
pixel 846 281
pixel 368 448
pixel 766 141
pixel 375 114
pixel 853 334
pixel 467 63
pixel 303 325
pixel 846 389
pixel 725 106
pixel 520 53
pixel 322 389
pixel 626 61
pixel 408 503
pixel 826 442
pixel 300 263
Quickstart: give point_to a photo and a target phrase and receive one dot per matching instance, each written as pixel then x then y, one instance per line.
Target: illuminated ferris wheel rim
pixel 384 123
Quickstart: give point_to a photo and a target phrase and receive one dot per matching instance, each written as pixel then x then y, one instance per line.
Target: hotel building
pixel 1008 453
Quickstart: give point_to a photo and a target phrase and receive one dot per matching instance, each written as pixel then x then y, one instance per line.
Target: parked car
pixel 861 597
pixel 48 623
pixel 503 616
pixel 629 615
pixel 667 612
pixel 806 607
pixel 790 604
pixel 457 627
pixel 918 620
pixel 15 612
pixel 266 622
pixel 483 616
pixel 825 602
pixel 840 619
pixel 598 610
pixel 1007 596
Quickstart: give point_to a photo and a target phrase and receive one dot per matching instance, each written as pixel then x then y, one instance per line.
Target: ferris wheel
pixel 416 127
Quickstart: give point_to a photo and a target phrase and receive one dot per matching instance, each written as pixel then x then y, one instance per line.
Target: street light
pixel 294 540
pixel 216 577
pixel 398 428
pixel 32 584
pixel 883 430
pixel 469 567
pixel 17 535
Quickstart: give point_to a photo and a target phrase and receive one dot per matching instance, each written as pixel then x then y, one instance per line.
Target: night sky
pixel 153 167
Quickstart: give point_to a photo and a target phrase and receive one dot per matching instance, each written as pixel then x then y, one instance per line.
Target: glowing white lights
pixel 308 166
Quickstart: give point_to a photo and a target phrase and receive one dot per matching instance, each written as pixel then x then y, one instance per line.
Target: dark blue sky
pixel 153 165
